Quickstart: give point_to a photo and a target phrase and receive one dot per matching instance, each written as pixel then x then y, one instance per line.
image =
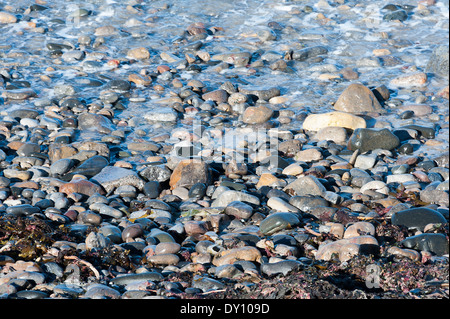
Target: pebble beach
pixel 274 149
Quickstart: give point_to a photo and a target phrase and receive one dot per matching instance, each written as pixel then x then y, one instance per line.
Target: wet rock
pixel 152 189
pixel 119 86
pixel 410 80
pixel 218 96
pixel 359 229
pixel 111 177
pixel 159 173
pixel 127 279
pixel 163 259
pixel 81 186
pixel 230 256
pixel 239 210
pixel 438 62
pixel 368 139
pixel 257 114
pixel 278 204
pixel 281 267
pixel 428 132
pixel 332 133
pixel 197 190
pixel 417 109
pixel 29 149
pixel 234 58
pixel 399 15
pixel 100 291
pixel 225 198
pixel 62 166
pixel 308 155
pixel 132 231
pixel 92 166
pixel 113 233
pixel 278 221
pixel 19 94
pixel 143 146
pixel 262 93
pixel 435 196
pixel 24 209
pixel 97 122
pixel 138 53
pixel 206 283
pixel 307 53
pixel 306 185
pixel 346 248
pixel 167 248
pixel 357 98
pixel 442 160
pixel 7 18
pixel 96 241
pixel 434 243
pixel 189 172
pixel 307 203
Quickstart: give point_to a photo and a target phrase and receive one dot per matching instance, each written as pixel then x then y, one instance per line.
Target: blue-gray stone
pixel 434 243
pixel 417 217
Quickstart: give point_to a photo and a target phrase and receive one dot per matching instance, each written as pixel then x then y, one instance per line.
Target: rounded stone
pixel 316 122
pixel 132 231
pixel 434 243
pixel 163 259
pixel 239 210
pixel 359 229
pixel 367 139
pixel 167 248
pixel 357 98
pixel 417 217
pixel 278 221
pixel 257 114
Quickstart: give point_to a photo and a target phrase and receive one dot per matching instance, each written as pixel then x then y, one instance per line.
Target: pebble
pixel 138 53
pixel 418 79
pixel 346 248
pixel 111 177
pixel 225 198
pixel 439 61
pixel 315 122
pixel 280 205
pixel 434 243
pixel 417 217
pixel 257 115
pixel 100 291
pixel 7 17
pixel 230 256
pixel 189 172
pixel 239 210
pixel 368 139
pixel 282 267
pixel 278 221
pixel 306 185
pixel 357 98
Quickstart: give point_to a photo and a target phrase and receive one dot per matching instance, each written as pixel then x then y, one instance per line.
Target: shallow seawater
pixel 350 30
